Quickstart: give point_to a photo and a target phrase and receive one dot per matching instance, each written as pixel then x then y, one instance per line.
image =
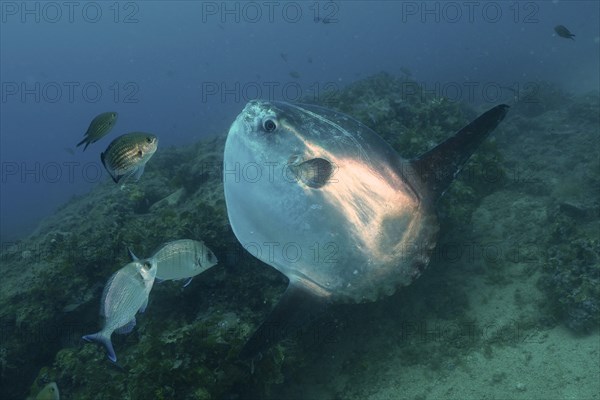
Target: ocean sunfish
pixel 326 201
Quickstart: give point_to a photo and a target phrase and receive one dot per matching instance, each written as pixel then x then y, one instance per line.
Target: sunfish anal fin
pixel 292 313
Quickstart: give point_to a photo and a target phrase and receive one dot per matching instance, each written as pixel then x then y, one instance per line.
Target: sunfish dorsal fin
pixel 438 167
pixel 292 313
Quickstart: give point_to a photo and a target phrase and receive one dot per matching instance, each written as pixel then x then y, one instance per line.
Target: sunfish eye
pixel 149 139
pixel 269 125
pixel 147 265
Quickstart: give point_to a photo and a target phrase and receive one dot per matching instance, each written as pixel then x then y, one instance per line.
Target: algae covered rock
pixel 186 344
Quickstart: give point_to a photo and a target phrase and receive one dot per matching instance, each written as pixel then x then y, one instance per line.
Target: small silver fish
pixel 127 155
pixel 182 259
pixel 49 392
pixel 563 32
pixel 99 127
pixel 125 293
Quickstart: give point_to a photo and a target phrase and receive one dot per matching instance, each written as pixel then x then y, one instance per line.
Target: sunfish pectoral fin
pixel 314 173
pixel 103 339
pixel 295 310
pixel 438 167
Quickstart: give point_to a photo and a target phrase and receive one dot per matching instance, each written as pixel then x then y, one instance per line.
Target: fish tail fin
pixel 295 311
pixel 102 338
pixel 438 167
pixel 82 142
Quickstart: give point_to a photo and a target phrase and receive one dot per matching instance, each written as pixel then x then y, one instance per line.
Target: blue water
pixel 183 70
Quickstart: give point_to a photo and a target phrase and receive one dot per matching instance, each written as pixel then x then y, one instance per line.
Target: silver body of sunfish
pixel 326 201
pixel 125 293
pixel 182 259
pixel 353 238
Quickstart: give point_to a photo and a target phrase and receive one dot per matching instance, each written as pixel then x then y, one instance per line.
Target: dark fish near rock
pixel 99 127
pixel 339 212
pixel 563 32
pixel 127 155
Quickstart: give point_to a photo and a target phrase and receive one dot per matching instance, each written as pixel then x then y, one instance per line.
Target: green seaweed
pixel 186 344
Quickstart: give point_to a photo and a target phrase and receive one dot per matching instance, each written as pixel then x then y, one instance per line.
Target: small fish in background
pixel 48 392
pixel 125 293
pixel 181 259
pixel 295 74
pixel 283 56
pixel 563 32
pixel 99 127
pixel 309 59
pixel 325 20
pixel 406 73
pixel 70 150
pixel 127 155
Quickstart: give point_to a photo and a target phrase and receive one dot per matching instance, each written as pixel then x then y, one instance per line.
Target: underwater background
pixel 509 306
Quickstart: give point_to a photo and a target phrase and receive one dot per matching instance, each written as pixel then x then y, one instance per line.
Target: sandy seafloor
pixel 502 347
